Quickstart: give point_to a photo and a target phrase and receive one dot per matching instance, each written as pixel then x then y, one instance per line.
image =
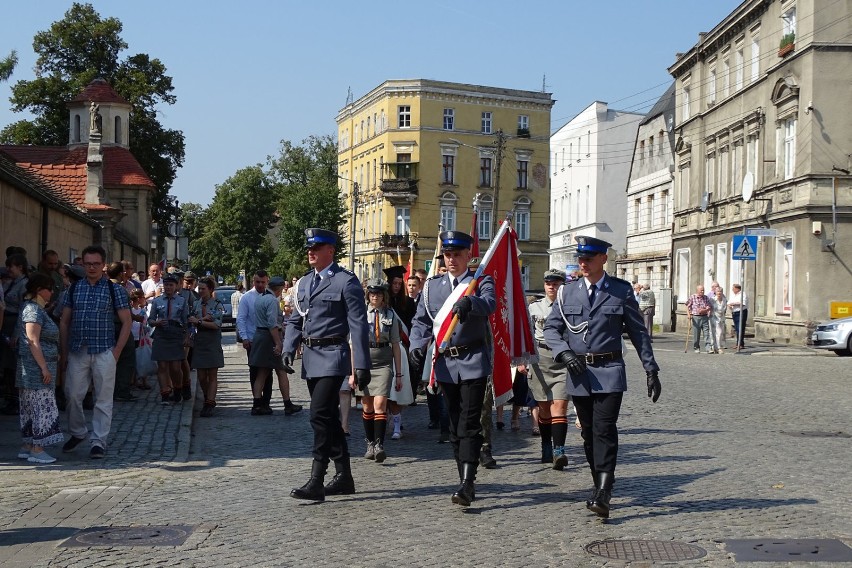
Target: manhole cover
pixel 645 550
pixel 818 434
pixel 789 550
pixel 166 535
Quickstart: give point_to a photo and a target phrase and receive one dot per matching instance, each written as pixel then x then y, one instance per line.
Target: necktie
pixel 376 324
pixel 455 282
pixel 315 282
pixel 592 289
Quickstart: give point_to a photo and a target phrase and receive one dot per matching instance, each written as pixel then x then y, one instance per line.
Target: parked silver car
pixel 223 293
pixel 835 335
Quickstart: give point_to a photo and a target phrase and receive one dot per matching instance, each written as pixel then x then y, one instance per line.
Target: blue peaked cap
pixel 589 246
pixel 455 240
pixel 319 237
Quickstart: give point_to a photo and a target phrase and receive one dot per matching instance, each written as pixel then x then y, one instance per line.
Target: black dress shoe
pixel 466 491
pixel 592 498
pixel 432 426
pixel 71 444
pixel 340 484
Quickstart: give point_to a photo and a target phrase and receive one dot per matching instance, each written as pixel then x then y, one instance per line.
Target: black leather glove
pixel 462 308
pixel 575 365
pixel 362 377
pixel 416 358
pixel 654 386
pixel 288 363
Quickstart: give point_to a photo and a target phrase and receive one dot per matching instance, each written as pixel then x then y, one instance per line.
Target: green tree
pixel 233 233
pixel 7 65
pixel 310 197
pixel 74 51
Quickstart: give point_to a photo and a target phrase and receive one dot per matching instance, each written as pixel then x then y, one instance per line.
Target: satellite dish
pixel 748 186
pixel 705 201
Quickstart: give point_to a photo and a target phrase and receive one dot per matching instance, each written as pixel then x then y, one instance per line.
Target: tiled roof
pixel 99 91
pixel 39 188
pixel 65 169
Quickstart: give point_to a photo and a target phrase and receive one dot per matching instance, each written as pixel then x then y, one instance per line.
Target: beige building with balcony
pixel 764 136
pixel 414 154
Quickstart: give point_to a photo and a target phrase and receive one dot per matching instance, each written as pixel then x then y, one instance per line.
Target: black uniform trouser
pixel 598 415
pixel 266 397
pixel 464 405
pixel 329 440
pixel 438 410
pixel 124 367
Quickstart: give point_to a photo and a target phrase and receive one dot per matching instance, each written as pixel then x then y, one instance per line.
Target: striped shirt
pixel 93 315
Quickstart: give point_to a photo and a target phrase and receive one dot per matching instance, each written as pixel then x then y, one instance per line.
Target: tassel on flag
pixel 410 268
pixel 433 268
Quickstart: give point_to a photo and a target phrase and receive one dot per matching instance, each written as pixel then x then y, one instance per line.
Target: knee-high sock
pixel 369 425
pixel 560 430
pixel 380 425
pixel 544 426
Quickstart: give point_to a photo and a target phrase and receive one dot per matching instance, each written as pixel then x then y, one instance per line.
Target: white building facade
pixel 590 165
pixel 649 200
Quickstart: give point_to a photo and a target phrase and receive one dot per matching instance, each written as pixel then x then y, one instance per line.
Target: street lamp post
pixel 352 226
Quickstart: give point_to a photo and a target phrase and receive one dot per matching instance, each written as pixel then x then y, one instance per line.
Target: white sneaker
pixel 41 457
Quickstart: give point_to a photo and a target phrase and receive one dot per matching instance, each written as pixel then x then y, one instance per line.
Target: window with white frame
pixel 682 281
pixel 751 157
pixel 664 208
pixel 403 220
pixel 685 103
pixel 789 155
pixel 525 277
pixel 449 119
pixel 736 165
pixel 649 212
pixel 384 122
pixel 484 219
pixel 711 86
pixel 755 56
pixel 448 211
pixel 726 78
pixel 710 175
pixel 485 169
pixel 739 63
pixel 404 116
pixel 523 122
pixel 723 172
pixel 448 174
pixel 651 147
pixel 684 187
pixel 486 123
pixel 784 276
pixel 722 262
pixel 637 214
pixel 522 219
pixel 788 19
pixel 709 267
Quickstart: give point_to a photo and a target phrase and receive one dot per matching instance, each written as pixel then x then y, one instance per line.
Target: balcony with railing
pixel 400 183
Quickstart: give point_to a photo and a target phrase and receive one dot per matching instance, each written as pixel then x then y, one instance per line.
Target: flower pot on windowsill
pixel 786 50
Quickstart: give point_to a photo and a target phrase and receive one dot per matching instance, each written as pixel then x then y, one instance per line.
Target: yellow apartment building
pixel 415 153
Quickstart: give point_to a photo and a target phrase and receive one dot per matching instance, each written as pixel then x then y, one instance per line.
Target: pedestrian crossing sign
pixel 745 247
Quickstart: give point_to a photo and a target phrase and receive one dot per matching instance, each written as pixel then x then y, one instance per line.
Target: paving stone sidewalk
pixel 721 456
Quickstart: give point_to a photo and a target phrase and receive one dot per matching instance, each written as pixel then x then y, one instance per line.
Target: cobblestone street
pixel 720 456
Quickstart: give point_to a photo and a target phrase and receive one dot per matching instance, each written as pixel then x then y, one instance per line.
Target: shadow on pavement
pixel 11 537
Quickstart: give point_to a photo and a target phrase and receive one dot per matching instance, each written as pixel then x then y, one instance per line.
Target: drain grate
pixel 645 550
pixel 818 434
pixel 165 535
pixel 789 550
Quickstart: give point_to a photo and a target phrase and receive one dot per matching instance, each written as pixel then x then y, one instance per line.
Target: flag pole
pixel 471 287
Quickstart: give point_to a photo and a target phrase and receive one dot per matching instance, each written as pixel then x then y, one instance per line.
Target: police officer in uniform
pixel 463 368
pixel 584 331
pixel 547 379
pixel 329 314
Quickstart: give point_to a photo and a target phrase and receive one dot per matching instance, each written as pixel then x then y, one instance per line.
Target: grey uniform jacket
pixel 475 363
pixel 335 309
pixel 615 311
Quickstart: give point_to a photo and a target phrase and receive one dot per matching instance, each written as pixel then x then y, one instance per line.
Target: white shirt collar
pixel 322 273
pixel 599 283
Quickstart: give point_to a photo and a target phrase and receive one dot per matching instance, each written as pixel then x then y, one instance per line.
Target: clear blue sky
pixel 249 74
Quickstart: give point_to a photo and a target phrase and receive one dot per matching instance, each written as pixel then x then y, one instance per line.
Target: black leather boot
pixel 600 505
pixel 465 493
pixel 461 480
pixel 594 494
pixel 313 490
pixel 342 482
pixel 486 459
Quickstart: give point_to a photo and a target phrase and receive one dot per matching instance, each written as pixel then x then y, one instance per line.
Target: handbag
pixel 145 365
